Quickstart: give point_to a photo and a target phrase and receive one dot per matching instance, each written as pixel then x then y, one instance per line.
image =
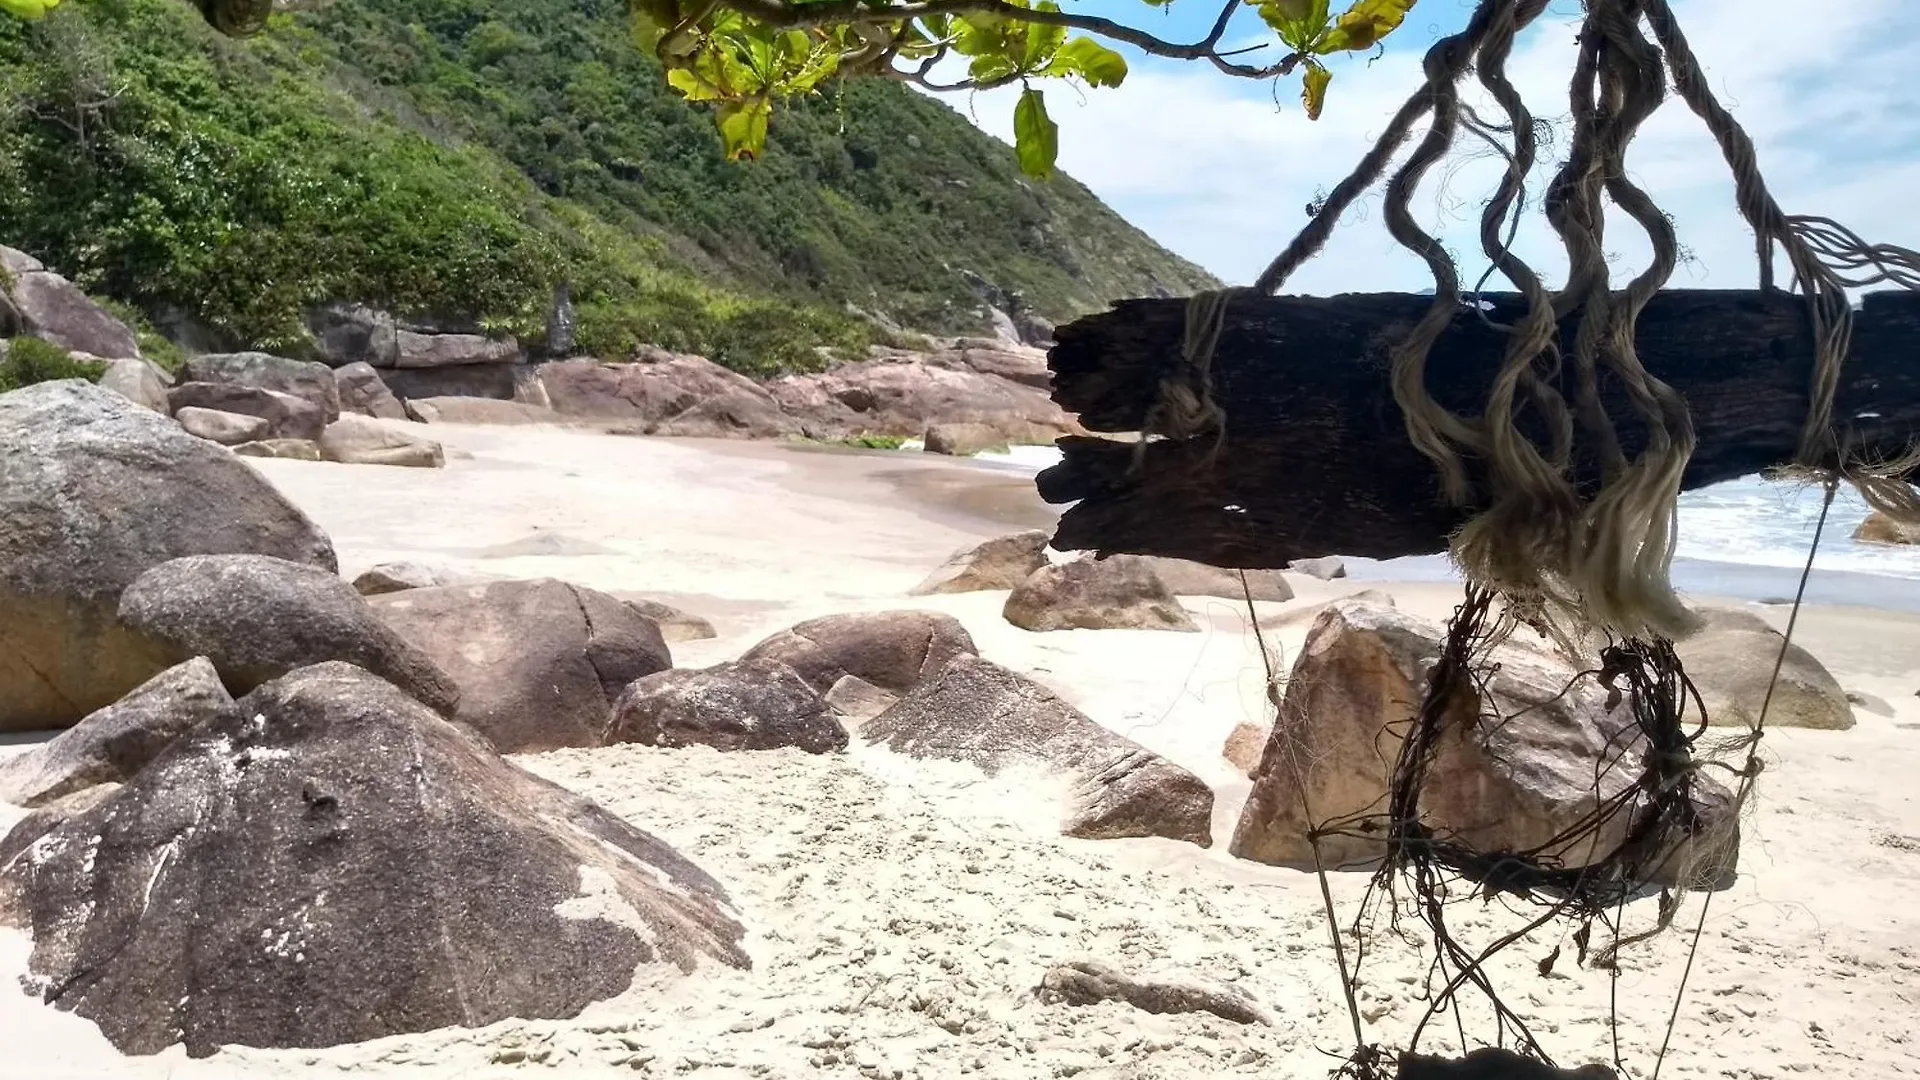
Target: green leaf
pixel 1363 25
pixel 1298 22
pixel 1313 88
pixel 1036 138
pixel 685 81
pixel 1090 60
pixel 28 9
pixel 743 127
pixel 1042 40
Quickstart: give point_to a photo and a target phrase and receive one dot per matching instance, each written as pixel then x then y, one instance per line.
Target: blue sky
pixel 1221 169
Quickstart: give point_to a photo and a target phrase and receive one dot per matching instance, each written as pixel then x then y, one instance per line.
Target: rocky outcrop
pixel 663 393
pixel 361 440
pixel 138 381
pixel 285 449
pixel 492 381
pixel 1014 363
pixel 1731 661
pixel 415 350
pixel 744 705
pixel 1326 567
pixel 258 618
pixel 1117 593
pixel 109 746
pixel 1184 577
pixel 539 663
pixel 459 410
pixel 1515 770
pixel 904 397
pixel 979 713
pixel 42 304
pixel 287 416
pixel 363 391
pixel 892 650
pixel 1880 528
pixel 675 625
pixel 330 863
pixel 1001 563
pixel 400 576
pixel 962 440
pixel 225 428
pixel 1090 982
pixel 856 700
pixel 1244 746
pixel 313 382
pixel 353 334
pixel 95 491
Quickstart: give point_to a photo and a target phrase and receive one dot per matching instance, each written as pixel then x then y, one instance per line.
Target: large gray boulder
pixel 306 379
pixel 95 491
pixel 1536 753
pixel 353 333
pixel 675 625
pixel 361 440
pixel 744 705
pixel 138 381
pixel 904 396
pixel 976 712
pixel 287 416
pixel 42 304
pixel 1882 528
pixel 962 439
pixel 400 576
pixel 1731 661
pixel 225 428
pixel 413 350
pixel 1121 592
pixel 663 393
pixel 330 863
pixel 363 391
pixel 1184 577
pixel 479 410
pixel 284 449
pixel 118 741
pixel 1001 563
pixel 892 650
pixel 1014 363
pixel 539 663
pixel 258 618
pixel 491 381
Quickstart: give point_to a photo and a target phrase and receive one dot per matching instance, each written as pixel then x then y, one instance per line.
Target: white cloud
pixel 1217 170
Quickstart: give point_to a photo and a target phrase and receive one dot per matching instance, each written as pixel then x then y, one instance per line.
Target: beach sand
pixel 901 914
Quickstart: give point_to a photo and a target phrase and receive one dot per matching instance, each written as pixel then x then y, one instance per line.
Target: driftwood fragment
pixel 1316 461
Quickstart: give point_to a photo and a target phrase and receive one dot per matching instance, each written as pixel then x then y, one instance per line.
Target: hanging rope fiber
pixel 1589 561
pixel 1587 567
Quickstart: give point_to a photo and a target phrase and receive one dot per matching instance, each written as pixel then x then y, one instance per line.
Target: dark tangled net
pixel 1651 829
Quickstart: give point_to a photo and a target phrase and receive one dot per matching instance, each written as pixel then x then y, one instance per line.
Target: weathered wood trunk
pixel 1316 461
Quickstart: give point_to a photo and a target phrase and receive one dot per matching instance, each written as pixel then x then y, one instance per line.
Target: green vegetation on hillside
pixel 460 157
pixel 27 361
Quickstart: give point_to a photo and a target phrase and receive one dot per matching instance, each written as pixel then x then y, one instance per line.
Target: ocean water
pixel 1744 539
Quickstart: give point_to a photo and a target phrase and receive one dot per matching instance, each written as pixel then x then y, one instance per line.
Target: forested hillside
pixel 461 157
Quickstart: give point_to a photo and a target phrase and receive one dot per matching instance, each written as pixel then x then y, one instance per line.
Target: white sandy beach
pixel 901 914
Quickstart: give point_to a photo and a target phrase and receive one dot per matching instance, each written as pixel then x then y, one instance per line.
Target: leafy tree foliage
pixel 460 157
pixel 745 54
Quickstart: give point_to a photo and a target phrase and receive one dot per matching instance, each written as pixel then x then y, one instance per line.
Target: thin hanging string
pixel 1751 769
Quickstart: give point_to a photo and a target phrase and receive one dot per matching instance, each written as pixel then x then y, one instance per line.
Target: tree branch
pixel 782 15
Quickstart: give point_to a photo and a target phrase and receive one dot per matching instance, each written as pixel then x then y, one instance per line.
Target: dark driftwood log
pixel 1316 460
